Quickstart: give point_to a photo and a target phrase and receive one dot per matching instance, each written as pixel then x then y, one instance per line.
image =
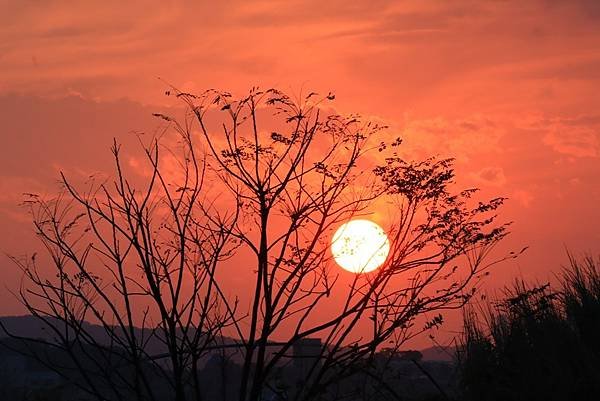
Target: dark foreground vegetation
pixel 538 343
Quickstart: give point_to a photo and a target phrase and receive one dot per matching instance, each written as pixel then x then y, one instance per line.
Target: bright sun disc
pixel 360 246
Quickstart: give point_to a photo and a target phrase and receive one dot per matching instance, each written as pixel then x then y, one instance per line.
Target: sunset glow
pixel 509 90
pixel 251 200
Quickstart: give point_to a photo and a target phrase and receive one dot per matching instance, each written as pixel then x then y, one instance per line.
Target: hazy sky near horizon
pixel 508 88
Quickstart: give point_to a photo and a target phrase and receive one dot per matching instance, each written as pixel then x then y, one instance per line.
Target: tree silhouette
pixel 269 178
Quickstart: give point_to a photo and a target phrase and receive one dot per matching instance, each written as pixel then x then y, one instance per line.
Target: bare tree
pixel 264 176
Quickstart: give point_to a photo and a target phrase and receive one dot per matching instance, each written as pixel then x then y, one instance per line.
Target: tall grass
pixel 536 342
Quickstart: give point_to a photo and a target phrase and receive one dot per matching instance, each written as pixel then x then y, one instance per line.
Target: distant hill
pixel 25 326
pixel 32 327
pixel 436 353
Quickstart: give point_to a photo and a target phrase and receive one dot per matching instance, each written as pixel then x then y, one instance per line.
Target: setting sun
pixel 360 246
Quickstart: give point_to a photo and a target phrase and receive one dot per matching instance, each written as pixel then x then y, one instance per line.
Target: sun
pixel 360 246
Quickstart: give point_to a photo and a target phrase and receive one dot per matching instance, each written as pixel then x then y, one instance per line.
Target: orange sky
pixel 511 89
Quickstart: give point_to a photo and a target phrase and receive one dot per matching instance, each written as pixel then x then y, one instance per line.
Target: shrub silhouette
pixel 536 343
